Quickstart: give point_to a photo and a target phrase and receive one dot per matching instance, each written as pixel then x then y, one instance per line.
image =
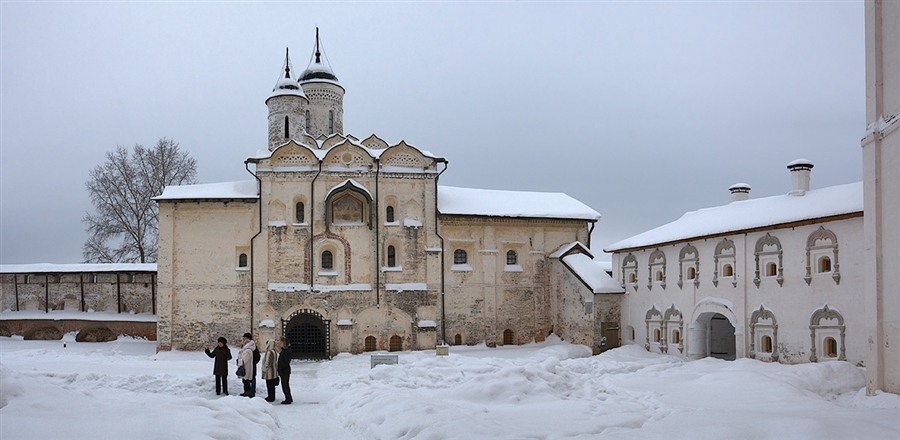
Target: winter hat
pixel 223 340
pixel 248 335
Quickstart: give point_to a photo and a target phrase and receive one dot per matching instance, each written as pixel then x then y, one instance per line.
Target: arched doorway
pixel 713 336
pixel 308 334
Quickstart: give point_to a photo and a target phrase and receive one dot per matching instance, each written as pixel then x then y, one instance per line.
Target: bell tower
pixel 287 108
pixel 325 113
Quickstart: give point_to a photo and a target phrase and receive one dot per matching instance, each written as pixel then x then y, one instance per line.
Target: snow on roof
pixel 287 86
pixel 592 274
pixel 321 153
pixel 753 213
pixel 77 267
pixel 497 203
pixel 243 189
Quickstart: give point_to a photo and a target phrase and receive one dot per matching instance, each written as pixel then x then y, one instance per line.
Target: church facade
pixel 350 245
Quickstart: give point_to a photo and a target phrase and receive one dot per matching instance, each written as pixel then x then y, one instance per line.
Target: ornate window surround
pixel 672 316
pixel 650 321
pixel 755 318
pixel 813 251
pixel 688 249
pixel 769 240
pixel 723 246
pixel 816 327
pixel 629 266
pixel 654 264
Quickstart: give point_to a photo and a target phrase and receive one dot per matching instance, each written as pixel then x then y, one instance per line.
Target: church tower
pixel 325 114
pixel 287 107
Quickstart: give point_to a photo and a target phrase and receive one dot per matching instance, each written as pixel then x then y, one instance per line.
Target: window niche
pixel 822 255
pixel 763 334
pixel 724 262
pixel 461 261
pixel 688 266
pixel 629 271
pixel 673 327
pixel 512 262
pixel 657 269
pixel 348 205
pixel 826 332
pixel 299 213
pixel 768 255
pixel 653 320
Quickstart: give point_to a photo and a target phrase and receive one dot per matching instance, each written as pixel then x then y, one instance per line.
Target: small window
pixel 771 269
pixel 691 273
pixel 307 121
pixel 831 348
pixel 330 122
pixel 327 260
pixel 299 212
pixel 632 277
pixel 370 343
pixel 657 335
pixel 676 337
pixel 659 275
pixel 459 257
pixel 632 333
pixel 824 265
pixel 287 128
pixel 508 337
pixel 389 214
pixel 727 271
pixel 767 344
pixel 242 260
pixel 512 258
pixel 396 343
pixel 457 340
pixel 391 256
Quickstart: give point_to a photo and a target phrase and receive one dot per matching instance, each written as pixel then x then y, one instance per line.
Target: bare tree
pixel 124 227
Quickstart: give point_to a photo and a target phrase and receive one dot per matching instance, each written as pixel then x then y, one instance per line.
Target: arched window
pixel 396 343
pixel 771 269
pixel 824 265
pixel 659 275
pixel 727 271
pixel 632 333
pixel 508 337
pixel 831 347
pixel 307 121
pixel 632 277
pixel 242 260
pixel 767 344
pixel 371 343
pixel 389 214
pixel 391 256
pixel 459 257
pixel 512 258
pixel 657 335
pixel 330 122
pixel 299 212
pixel 691 273
pixel 676 337
pixel 457 340
pixel 327 260
pixel 287 128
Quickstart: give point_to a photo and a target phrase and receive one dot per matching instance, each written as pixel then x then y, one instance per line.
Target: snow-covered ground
pixel 548 390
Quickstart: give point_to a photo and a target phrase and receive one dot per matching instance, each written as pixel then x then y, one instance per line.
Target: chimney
pixel 799 176
pixel 739 191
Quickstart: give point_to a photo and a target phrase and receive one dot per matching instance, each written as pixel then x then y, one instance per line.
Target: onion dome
pixel 319 70
pixel 287 86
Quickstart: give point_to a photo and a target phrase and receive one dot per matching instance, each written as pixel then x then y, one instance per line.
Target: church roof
pixel 243 189
pixel 287 86
pixel 318 71
pixel 751 214
pixel 497 203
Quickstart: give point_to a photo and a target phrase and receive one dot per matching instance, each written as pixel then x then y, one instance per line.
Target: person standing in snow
pixel 245 359
pixel 270 370
pixel 222 355
pixel 284 369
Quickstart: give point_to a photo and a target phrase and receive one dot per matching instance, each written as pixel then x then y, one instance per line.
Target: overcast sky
pixel 640 110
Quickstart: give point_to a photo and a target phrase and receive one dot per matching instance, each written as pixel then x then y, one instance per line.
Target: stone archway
pixel 714 332
pixel 308 334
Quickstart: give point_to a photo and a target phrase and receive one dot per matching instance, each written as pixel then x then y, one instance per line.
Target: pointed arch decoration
pixel 629 266
pixel 818 235
pixel 648 319
pixel 657 261
pixel 769 240
pixel 759 315
pixel 815 326
pixel 688 249
pixel 720 253
pixel 673 321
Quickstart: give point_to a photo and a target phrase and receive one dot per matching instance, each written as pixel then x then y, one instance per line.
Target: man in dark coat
pixel 221 354
pixel 284 369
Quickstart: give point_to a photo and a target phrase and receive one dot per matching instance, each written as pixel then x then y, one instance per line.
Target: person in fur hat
pixel 245 359
pixel 222 354
pixel 270 370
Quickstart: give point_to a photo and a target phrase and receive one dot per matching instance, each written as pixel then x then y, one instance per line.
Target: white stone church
pixel 350 245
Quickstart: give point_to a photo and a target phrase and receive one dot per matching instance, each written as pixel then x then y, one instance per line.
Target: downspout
pixel 377 238
pixel 591 232
pixel 46 293
pixel 437 214
pixel 312 222
pixel 81 287
pixel 16 287
pixel 258 231
pixel 118 293
pixel 152 293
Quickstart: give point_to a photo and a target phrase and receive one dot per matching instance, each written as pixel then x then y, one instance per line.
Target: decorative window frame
pixel 818 333
pixel 720 259
pixel 654 264
pixel 691 263
pixel 815 252
pixel 672 321
pixel 629 267
pixel 769 256
pixel 348 189
pixel 654 324
pixel 759 330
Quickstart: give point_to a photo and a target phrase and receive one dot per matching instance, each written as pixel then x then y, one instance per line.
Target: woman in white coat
pixel 270 370
pixel 245 359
